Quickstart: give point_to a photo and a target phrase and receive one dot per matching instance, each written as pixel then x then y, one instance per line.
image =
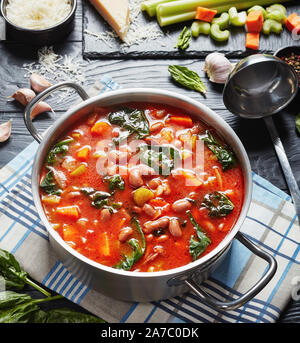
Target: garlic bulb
pixel 217 67
pixel 5 131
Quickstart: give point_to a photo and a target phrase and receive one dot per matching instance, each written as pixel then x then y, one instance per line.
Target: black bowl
pixel 286 51
pixel 47 36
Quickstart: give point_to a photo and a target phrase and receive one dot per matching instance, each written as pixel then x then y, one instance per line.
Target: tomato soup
pixel 141 187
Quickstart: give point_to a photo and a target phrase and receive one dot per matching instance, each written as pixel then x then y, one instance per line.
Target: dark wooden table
pixel 145 73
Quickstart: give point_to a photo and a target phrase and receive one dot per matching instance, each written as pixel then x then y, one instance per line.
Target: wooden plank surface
pixel 163 47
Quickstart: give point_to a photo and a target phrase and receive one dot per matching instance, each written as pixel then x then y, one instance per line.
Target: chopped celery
pixel 200 27
pixel 276 7
pixel 237 18
pixel 217 34
pixel 182 10
pixel 276 15
pixel 222 21
pixel 258 8
pixel 271 25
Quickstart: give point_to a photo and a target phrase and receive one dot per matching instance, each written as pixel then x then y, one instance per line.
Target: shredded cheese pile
pixel 56 68
pixel 37 14
pixel 137 32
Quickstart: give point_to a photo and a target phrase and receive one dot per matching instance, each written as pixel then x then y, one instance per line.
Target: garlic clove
pixel 41 107
pixel 24 96
pixel 217 67
pixel 5 131
pixel 39 83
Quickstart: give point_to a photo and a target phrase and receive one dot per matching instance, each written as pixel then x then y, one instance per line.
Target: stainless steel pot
pixel 142 286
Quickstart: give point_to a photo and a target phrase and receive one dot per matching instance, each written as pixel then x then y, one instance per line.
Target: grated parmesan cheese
pixel 56 68
pixel 37 14
pixel 137 32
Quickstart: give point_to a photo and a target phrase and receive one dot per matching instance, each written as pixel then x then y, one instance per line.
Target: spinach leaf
pixel 9 299
pixel 14 276
pixel 184 39
pixel 101 200
pixel 138 251
pixel 60 148
pixel 133 121
pixel 297 122
pixel 187 78
pixel 223 153
pixel 115 182
pixel 19 314
pixel 218 204
pixel 197 247
pixel 66 315
pixel 49 184
pixel 161 158
pixel 11 271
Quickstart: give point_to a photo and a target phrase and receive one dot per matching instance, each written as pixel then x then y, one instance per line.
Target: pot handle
pixel 40 97
pixel 231 305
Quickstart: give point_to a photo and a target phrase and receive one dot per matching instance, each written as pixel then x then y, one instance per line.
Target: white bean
pixel 181 205
pixel 174 228
pixel 156 224
pixel 125 233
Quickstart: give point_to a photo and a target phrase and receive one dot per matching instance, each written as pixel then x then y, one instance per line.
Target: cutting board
pixel 163 47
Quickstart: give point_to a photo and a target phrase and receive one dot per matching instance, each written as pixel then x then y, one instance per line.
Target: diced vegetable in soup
pixel 142 187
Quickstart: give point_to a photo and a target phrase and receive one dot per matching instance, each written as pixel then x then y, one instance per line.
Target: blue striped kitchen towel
pixel 271 223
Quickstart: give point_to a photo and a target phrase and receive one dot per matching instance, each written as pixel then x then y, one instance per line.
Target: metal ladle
pixel 258 87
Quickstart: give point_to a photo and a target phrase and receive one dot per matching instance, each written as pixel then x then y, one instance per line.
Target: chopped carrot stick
pixel 205 14
pixel 255 21
pixel 252 40
pixel 83 153
pixel 70 233
pixel 181 120
pixel 51 199
pixel 293 22
pixel 70 212
pixel 104 247
pixel 101 128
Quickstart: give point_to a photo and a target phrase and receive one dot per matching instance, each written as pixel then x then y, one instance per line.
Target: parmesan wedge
pixel 116 13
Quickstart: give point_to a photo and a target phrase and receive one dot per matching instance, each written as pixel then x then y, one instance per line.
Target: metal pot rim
pixel 223 128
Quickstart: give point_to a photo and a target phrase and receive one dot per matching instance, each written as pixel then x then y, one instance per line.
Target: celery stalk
pixel 150 6
pixel 221 6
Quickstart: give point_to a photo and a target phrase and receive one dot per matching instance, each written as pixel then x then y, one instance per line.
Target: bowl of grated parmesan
pixel 38 22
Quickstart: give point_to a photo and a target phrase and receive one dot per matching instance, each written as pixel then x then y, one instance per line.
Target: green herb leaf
pixel 297 122
pixel 66 315
pixel 49 184
pixel 138 251
pixel 161 158
pixel 9 299
pixel 184 39
pixel 197 247
pixel 223 153
pixel 10 270
pixel 61 148
pixel 132 121
pixel 218 204
pixel 19 314
pixel 187 78
pixel 115 182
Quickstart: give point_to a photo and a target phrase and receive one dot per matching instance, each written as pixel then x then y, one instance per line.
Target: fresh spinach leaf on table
pixel 187 78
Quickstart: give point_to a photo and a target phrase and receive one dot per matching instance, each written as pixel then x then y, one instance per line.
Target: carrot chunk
pixel 101 128
pixel 205 14
pixel 181 120
pixel 293 22
pixel 83 153
pixel 255 21
pixel 252 40
pixel 70 212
